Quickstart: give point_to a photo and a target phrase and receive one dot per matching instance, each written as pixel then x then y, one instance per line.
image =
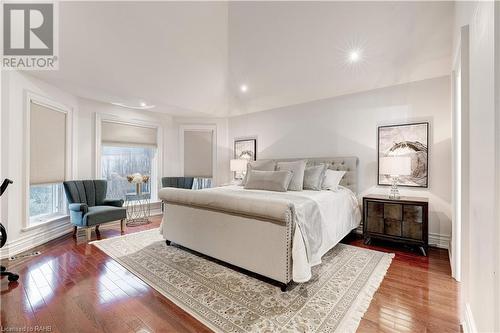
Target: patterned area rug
pixel 225 300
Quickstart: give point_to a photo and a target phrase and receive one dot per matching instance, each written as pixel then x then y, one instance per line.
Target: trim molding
pixel 44 235
pixel 439 240
pixel 468 325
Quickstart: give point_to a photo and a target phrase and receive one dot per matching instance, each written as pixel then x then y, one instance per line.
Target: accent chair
pixel 89 207
pixel 178 182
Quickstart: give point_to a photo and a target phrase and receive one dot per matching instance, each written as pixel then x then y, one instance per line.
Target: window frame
pixel 59 194
pixel 100 117
pixel 31 97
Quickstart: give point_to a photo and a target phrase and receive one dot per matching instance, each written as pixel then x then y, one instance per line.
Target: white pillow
pixel 332 179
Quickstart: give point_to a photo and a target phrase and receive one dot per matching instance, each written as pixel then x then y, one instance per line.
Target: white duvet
pixel 337 214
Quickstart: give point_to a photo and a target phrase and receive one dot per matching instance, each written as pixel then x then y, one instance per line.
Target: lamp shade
pixel 238 165
pixel 395 165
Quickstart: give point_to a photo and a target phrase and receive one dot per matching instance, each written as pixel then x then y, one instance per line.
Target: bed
pixel 277 235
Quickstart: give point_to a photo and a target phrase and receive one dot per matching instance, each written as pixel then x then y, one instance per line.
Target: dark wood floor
pixel 74 287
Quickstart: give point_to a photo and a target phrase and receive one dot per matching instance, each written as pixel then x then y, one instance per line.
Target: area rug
pixel 226 300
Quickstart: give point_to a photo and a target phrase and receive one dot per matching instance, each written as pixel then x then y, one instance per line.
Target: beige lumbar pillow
pixel 268 180
pixel 266 165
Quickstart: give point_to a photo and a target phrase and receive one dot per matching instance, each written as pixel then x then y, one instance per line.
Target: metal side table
pixel 138 208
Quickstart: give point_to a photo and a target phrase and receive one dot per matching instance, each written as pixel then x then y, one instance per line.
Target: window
pixel 125 149
pixel 119 161
pixel 47 153
pixel 46 202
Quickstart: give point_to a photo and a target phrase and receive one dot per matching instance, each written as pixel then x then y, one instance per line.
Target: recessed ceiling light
pixel 141 106
pixel 354 56
pixel 244 88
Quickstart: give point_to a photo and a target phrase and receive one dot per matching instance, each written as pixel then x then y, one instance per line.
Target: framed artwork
pixel 411 140
pixel 245 149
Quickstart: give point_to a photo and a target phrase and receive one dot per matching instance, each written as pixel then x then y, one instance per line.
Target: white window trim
pixel 70 161
pixel 202 128
pixel 100 117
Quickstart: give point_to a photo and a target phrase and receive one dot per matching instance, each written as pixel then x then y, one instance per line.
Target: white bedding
pixel 339 214
pixel 322 218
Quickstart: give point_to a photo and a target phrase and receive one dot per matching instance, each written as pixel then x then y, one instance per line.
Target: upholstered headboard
pixel 348 164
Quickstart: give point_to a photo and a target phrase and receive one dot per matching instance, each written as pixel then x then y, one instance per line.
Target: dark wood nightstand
pixel 403 220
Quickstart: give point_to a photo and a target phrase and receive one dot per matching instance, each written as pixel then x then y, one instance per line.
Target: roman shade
pixel 114 133
pixel 198 154
pixel 47 145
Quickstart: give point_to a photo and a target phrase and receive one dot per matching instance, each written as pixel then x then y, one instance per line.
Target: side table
pixel 138 208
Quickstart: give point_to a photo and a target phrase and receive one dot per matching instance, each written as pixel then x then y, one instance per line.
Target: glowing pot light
pixel 354 56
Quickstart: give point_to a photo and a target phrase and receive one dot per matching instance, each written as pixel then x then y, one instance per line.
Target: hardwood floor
pixel 74 287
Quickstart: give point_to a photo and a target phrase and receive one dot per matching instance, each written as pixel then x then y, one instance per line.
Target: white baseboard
pixel 469 325
pixel 43 235
pixel 50 232
pixel 440 241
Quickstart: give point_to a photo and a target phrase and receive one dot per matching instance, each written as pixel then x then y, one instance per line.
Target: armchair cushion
pixel 79 207
pixel 102 214
pixel 113 202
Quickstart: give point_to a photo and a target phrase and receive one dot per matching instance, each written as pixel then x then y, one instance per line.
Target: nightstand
pixel 403 220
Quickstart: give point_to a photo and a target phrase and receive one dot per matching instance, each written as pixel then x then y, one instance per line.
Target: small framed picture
pixel 245 149
pixel 407 140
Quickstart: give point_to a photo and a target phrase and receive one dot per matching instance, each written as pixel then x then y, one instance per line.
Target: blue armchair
pixel 89 207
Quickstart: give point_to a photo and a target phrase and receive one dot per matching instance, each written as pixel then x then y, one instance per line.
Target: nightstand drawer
pixel 375 224
pixel 412 230
pixel 392 227
pixel 393 212
pixel 413 213
pixel 375 209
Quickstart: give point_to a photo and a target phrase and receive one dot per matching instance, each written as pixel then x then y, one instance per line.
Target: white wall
pixel 14 87
pixel 480 242
pixel 347 126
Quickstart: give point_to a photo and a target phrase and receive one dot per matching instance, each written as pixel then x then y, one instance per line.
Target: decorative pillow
pixel 266 165
pixel 268 180
pixel 298 168
pixel 314 176
pixel 332 179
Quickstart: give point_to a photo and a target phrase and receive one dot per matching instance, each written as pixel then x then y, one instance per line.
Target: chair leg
pixel 89 233
pixel 123 225
pixel 75 229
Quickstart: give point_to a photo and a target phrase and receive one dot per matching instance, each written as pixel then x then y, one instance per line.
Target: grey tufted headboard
pixel 349 164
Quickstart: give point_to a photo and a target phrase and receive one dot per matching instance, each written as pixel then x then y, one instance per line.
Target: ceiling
pixel 190 58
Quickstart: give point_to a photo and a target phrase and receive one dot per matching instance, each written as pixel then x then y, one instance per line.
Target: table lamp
pixel 395 166
pixel 238 166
